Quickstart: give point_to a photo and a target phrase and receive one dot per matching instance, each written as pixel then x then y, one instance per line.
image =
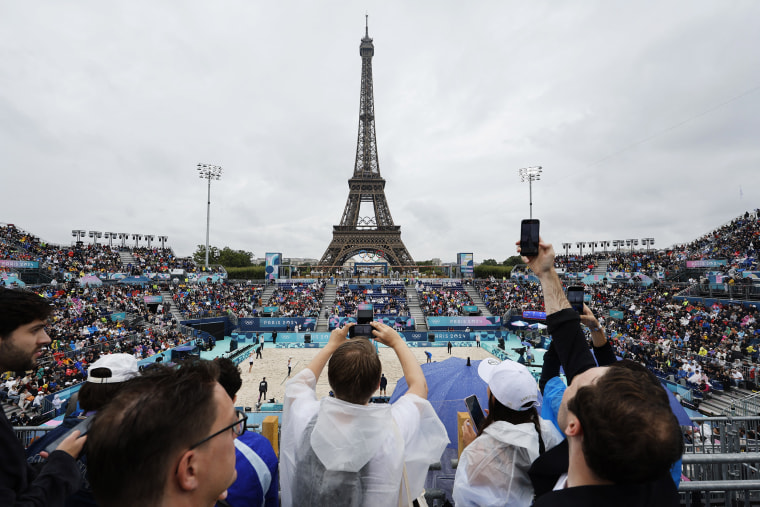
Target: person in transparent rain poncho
pixel 345 451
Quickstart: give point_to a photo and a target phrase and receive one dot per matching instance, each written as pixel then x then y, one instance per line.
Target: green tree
pixel 513 261
pixel 200 255
pixel 490 262
pixel 227 257
pixel 235 258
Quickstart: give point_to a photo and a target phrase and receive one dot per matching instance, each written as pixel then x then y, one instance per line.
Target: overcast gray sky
pixel 644 115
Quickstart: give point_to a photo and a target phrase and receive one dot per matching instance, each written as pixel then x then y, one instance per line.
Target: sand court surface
pixel 274 366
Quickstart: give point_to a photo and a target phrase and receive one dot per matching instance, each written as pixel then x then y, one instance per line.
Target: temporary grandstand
pixel 689 312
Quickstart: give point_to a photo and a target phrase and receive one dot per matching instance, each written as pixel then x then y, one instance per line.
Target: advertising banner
pixel 272 262
pixel 278 323
pixel 616 314
pixel 393 321
pixel 463 322
pixel 464 260
pixel 153 299
pixel 708 263
pixel 7 263
pixel 534 315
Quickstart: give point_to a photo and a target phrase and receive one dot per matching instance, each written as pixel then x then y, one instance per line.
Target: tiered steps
pixel 475 296
pixel 328 300
pixel 413 302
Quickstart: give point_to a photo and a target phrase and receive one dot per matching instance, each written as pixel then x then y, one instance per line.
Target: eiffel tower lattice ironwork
pixel 357 234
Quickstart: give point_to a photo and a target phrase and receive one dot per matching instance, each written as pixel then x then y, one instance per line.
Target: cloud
pixel 642 114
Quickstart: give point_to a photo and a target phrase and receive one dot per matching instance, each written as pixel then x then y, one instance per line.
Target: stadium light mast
pixel 95 235
pixel 123 237
pixel 580 245
pixel 530 174
pixel 647 242
pixel 149 237
pixel 592 244
pixel 137 238
pixel 110 236
pixel 566 246
pixel 605 244
pixel 163 239
pixel 209 172
pixel 78 233
pixel 631 243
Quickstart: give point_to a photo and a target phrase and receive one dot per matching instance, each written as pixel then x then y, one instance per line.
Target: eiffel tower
pixel 355 234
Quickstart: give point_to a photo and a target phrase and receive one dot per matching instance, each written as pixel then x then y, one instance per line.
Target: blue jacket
pixel 257 482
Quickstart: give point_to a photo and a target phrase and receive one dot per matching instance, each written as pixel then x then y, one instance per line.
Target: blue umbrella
pixel 449 383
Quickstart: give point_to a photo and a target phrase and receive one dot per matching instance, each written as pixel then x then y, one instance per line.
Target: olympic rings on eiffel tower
pixel 370 256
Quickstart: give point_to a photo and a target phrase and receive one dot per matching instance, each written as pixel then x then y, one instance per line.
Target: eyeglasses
pixel 238 427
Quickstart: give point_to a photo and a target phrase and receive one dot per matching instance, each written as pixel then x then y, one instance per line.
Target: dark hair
pixel 229 376
pixel 95 396
pixel 154 416
pixel 630 434
pixel 499 412
pixel 19 307
pixel 354 371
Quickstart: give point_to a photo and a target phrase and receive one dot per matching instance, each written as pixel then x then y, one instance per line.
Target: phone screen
pixel 529 237
pixel 476 413
pixel 575 296
pixel 365 314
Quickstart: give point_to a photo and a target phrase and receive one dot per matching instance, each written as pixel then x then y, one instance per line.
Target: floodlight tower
pixel 647 242
pixel 605 244
pixel 632 243
pixel 110 236
pixel 580 245
pixel 95 235
pixel 149 237
pixel 123 237
pixel 566 246
pixel 530 174
pixel 209 172
pixel 79 234
pixel 137 238
pixel 163 240
pixel 593 245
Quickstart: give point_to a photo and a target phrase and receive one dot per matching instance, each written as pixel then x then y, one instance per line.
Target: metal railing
pixel 722 479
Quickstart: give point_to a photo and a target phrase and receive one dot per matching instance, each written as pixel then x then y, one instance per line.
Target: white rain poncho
pixel 356 438
pixel 493 469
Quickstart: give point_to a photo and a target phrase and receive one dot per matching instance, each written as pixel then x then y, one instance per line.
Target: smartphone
pixel 476 413
pixel 529 237
pixel 365 314
pixel 576 295
pixel 82 426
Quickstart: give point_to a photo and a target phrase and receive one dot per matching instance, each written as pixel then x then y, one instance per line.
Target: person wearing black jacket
pixel 23 317
pixel 622 437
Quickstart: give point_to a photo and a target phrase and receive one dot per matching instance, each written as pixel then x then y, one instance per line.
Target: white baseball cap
pixel 510 382
pixel 122 367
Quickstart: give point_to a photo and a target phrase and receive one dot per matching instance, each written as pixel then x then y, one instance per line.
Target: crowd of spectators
pixel 82 328
pixel 442 300
pixel 577 263
pixel 386 299
pixel 218 298
pixel 298 299
pixel 676 338
pixel 501 297
pixel 97 259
